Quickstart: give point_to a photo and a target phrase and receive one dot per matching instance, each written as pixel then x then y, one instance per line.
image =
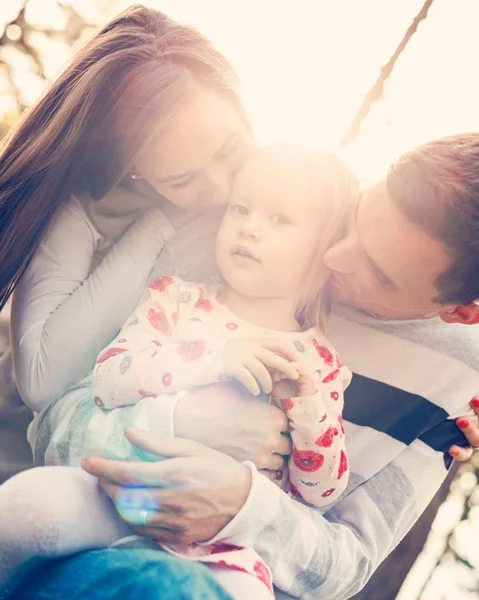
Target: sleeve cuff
pixel 156 414
pixel 260 507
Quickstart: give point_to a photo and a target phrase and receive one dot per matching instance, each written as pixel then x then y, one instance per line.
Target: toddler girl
pixel 260 327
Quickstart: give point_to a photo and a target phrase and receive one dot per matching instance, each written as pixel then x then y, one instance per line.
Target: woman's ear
pixel 466 315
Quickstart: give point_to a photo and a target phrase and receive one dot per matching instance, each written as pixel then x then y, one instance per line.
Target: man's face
pixel 386 265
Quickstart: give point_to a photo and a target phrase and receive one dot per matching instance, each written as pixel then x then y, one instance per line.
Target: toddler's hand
pixel 252 360
pixel 306 384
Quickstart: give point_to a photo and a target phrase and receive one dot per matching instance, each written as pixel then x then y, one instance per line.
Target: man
pixel 410 264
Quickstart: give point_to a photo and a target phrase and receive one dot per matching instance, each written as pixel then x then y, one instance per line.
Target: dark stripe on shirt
pixel 400 414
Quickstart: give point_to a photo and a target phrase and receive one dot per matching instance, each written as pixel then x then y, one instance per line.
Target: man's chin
pixel 364 309
pixel 387 314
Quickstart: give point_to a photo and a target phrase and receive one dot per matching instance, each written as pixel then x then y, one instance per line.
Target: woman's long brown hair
pixel 127 82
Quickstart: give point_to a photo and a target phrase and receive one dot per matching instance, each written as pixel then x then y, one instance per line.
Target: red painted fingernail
pixel 278 475
pixel 463 423
pixel 453 452
pixel 475 402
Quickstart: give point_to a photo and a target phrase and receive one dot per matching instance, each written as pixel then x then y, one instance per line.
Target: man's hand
pixel 228 419
pixel 471 430
pixel 251 361
pixel 188 497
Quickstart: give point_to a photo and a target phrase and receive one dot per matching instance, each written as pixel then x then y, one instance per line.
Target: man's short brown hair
pixel 436 186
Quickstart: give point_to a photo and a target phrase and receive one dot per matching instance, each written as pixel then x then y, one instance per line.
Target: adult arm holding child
pixel 63 312
pixel 311 555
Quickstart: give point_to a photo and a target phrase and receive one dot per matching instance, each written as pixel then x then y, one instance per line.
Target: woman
pixel 146 112
pixel 143 128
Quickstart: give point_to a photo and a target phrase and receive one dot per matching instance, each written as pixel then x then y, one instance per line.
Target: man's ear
pixel 466 315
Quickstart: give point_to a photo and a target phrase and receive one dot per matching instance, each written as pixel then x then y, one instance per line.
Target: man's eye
pixel 239 210
pixel 280 219
pixel 380 277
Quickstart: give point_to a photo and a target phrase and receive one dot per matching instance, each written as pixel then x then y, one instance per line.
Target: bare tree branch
pixel 376 93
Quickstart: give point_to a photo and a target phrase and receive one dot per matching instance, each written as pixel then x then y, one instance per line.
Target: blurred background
pixel 373 78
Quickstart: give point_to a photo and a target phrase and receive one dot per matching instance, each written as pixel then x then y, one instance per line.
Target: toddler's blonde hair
pixel 339 186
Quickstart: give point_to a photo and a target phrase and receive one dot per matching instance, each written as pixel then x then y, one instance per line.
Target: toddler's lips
pixel 243 252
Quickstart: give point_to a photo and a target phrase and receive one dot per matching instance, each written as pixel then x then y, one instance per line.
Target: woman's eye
pixel 280 220
pixel 182 184
pixel 240 210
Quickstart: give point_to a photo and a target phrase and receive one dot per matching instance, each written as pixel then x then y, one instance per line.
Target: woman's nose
pixel 221 181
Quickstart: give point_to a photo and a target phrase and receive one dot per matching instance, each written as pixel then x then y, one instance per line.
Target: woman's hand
pixel 189 497
pixel 228 419
pixel 471 430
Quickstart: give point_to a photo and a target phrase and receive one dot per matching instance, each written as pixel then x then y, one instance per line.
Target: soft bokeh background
pixel 306 67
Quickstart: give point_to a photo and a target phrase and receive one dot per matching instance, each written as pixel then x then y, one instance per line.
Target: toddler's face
pixel 270 231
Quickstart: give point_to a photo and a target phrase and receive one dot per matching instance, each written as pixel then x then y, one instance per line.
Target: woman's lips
pixel 336 285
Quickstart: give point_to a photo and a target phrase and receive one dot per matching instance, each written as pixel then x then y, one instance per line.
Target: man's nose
pixel 342 257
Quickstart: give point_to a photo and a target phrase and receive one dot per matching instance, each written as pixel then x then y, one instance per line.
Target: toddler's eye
pixel 280 219
pixel 238 209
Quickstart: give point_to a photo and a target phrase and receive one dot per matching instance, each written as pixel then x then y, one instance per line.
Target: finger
pixel 269 474
pixel 277 376
pixel 160 534
pixel 279 424
pixel 285 445
pixel 135 474
pixel 303 369
pixel 470 430
pixel 247 379
pixel 460 454
pixel 282 348
pixel 261 375
pixel 273 462
pixel 475 405
pixel 163 445
pixel 128 499
pixel 273 361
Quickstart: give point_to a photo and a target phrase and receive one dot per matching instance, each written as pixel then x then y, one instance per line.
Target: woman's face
pixel 193 163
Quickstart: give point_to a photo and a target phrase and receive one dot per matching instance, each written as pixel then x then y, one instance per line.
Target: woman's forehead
pixel 199 133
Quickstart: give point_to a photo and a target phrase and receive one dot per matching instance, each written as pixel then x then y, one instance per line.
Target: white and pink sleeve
pixel 147 359
pixel 318 467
